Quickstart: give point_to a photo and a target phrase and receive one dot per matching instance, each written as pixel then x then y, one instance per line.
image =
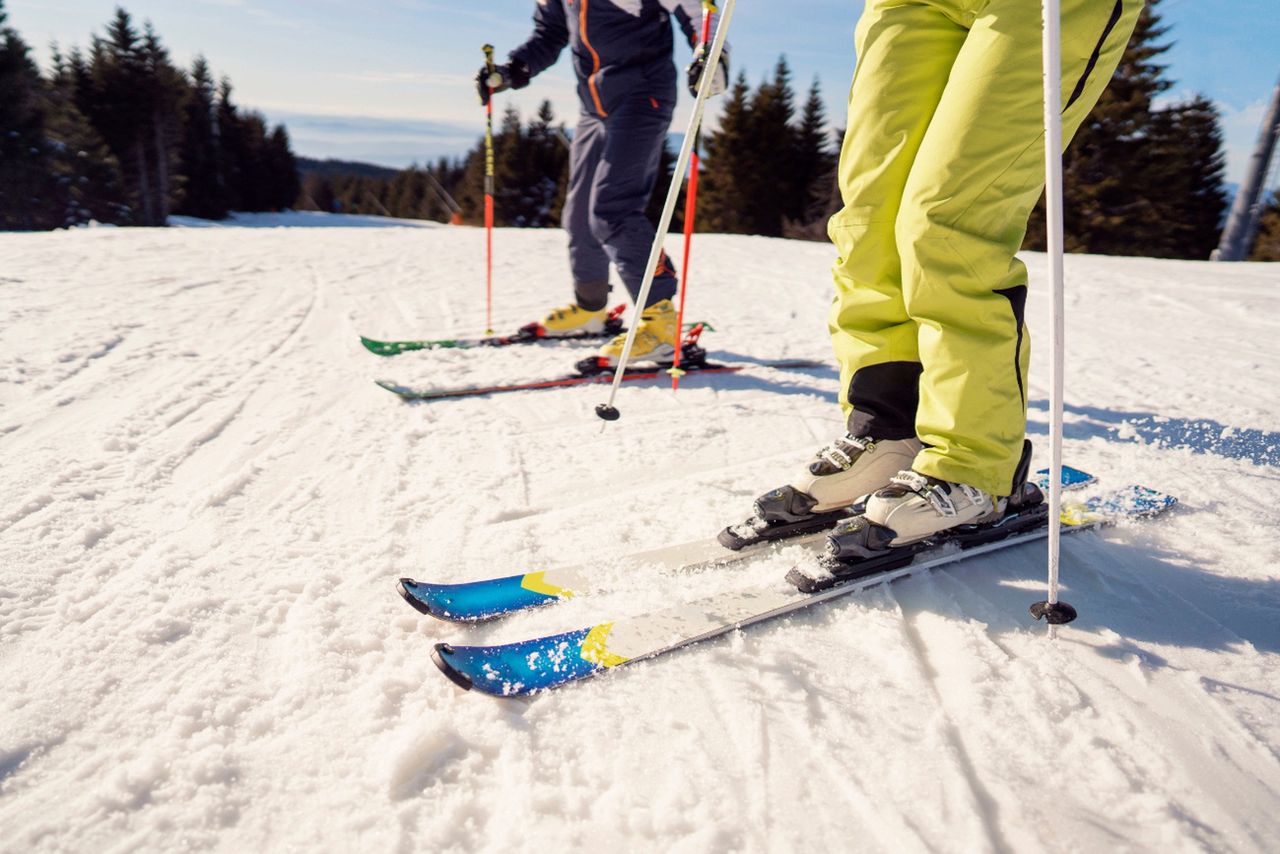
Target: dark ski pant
pixel 942 163
pixel 613 165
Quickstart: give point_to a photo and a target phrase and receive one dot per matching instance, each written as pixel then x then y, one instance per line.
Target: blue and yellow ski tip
pixel 476 601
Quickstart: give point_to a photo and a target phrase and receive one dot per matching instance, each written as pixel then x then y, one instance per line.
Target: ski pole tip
pixel 1054 613
pixel 607 412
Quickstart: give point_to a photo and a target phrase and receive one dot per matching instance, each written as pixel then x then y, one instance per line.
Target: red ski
pixel 594 370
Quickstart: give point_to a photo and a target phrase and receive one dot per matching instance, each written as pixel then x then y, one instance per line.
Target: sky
pixel 390 81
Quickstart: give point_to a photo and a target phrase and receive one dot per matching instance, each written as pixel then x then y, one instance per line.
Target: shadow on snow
pixel 1142 593
pixel 1200 435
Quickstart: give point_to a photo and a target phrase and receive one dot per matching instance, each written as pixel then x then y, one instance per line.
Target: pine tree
pixel 724 200
pixel 85 173
pixel 408 194
pixel 468 190
pixel 258 165
pixel 24 184
pixel 166 88
pixel 772 177
pixel 521 196
pixel 766 172
pixel 1133 183
pixel 123 135
pixel 281 171
pixel 814 168
pixel 119 104
pixel 249 148
pixel 548 167
pixel 1185 176
pixel 230 146
pixel 508 203
pixel 200 149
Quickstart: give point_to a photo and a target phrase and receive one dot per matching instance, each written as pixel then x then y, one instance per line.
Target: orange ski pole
pixel 690 207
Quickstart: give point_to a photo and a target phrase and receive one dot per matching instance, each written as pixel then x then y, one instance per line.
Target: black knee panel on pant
pixel 884 398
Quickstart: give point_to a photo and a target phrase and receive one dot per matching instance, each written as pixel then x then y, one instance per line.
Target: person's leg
pixel 973 184
pixel 588 262
pixel 905 52
pixel 624 181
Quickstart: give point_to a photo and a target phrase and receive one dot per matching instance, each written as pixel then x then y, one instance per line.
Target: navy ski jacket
pixel 620 47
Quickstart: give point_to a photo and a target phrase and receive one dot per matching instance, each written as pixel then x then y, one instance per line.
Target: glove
pixel 513 75
pixel 694 70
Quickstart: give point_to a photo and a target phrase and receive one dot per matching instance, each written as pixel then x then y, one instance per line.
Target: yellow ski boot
pixel 572 321
pixel 655 337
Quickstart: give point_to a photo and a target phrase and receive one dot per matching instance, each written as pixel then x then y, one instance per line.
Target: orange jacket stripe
pixel 595 57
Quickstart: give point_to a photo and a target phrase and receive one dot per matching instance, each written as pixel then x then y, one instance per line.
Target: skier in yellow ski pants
pixel 942 163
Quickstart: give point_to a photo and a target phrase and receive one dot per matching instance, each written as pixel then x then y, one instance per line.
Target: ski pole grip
pixel 488 64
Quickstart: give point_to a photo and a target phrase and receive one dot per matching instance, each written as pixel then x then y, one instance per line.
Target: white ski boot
pixel 840 475
pixel 848 469
pixel 912 508
pixel 915 506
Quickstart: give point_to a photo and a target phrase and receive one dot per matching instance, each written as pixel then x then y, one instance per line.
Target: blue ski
pixel 488 599
pixel 529 666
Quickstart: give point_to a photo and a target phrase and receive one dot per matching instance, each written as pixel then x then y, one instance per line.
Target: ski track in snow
pixel 206 504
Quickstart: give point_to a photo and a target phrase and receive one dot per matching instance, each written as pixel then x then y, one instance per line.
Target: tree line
pixel 739 193
pixel 121 135
pixel 1141 178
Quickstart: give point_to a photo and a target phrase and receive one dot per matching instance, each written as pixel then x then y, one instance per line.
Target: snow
pixel 206 504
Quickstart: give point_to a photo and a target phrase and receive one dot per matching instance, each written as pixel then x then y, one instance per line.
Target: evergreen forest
pixel 117 133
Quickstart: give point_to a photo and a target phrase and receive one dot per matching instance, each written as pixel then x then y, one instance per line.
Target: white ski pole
pixel 607 411
pixel 1055 613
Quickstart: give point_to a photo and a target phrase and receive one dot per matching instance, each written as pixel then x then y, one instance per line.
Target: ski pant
pixel 942 163
pixel 613 166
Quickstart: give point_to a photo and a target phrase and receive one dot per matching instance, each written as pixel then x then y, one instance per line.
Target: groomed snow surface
pixel 206 503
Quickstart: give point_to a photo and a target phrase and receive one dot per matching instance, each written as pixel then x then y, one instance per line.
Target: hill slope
pixel 206 504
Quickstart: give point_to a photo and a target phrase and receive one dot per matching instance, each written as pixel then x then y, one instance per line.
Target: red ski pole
pixel 488 196
pixel 607 411
pixel 690 207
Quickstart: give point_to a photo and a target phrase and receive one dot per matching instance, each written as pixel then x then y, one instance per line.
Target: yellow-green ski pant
pixel 942 163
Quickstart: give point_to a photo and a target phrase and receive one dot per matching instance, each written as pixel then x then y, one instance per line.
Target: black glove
pixel 694 70
pixel 513 75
